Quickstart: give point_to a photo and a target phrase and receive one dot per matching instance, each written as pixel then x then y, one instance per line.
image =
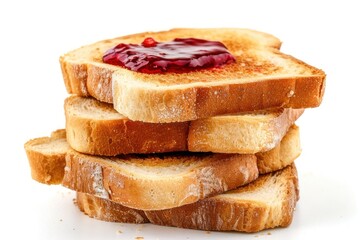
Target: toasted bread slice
pixel 96 128
pixel 268 202
pixel 261 78
pixel 155 182
pixel 46 157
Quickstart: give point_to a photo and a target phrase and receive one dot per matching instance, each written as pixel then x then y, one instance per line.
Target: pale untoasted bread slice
pixel 268 202
pixel 261 78
pixel 96 128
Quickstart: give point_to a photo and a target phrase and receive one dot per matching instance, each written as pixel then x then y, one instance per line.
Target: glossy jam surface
pixel 179 55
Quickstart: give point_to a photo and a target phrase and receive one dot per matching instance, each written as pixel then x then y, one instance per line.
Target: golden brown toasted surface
pixel 251 66
pixel 256 54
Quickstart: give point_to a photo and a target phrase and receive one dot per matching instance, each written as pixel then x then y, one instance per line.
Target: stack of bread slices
pixel 211 149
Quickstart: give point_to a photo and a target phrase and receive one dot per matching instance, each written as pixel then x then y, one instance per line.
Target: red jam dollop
pixel 179 55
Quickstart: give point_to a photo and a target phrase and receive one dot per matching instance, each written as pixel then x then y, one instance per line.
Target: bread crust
pixel 75 77
pixel 255 82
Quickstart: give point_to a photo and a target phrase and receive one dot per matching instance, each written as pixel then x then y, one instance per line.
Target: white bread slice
pixel 155 182
pixel 268 202
pixel 261 78
pixel 96 128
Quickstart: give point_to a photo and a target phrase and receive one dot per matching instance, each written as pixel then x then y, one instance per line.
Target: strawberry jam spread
pixel 179 55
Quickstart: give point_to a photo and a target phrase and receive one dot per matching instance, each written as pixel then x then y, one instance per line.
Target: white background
pixel 35 33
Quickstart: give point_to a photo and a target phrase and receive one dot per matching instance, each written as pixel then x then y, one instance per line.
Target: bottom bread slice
pixel 267 202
